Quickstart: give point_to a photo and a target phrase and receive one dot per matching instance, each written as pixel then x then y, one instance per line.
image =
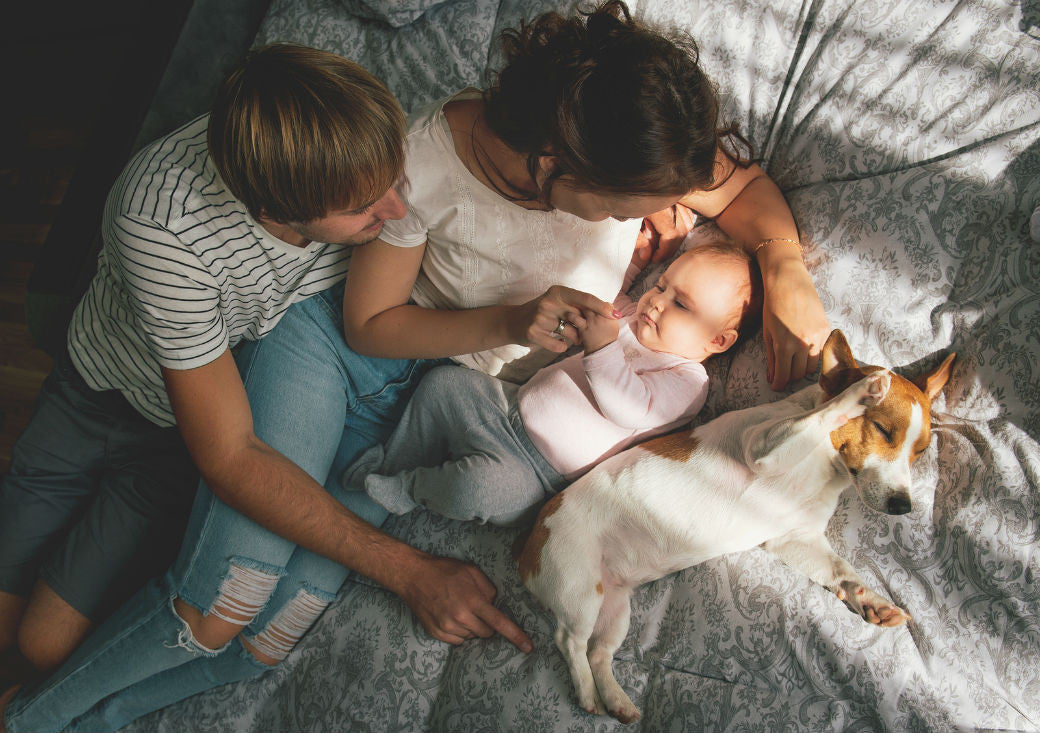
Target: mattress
pixel 906 137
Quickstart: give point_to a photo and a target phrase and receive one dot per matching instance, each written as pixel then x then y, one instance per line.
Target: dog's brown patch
pixel 599 588
pixel 675 447
pixel 530 561
pixel 861 437
pixel 518 545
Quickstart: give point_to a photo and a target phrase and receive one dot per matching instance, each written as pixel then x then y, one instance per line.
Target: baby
pixel 470 446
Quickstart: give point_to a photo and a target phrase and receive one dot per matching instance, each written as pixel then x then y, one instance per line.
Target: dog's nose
pixel 898 505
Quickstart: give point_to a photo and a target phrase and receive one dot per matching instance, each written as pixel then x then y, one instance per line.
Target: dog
pixel 766 476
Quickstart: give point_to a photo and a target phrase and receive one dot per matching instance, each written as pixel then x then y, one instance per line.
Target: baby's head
pixel 702 303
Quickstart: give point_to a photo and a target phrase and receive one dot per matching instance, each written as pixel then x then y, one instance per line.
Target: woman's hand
pixel 537 322
pixel 599 332
pixel 662 233
pixel 794 324
pixel 750 208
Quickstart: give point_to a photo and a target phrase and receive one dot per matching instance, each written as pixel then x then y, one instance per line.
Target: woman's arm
pixel 750 208
pixel 379 320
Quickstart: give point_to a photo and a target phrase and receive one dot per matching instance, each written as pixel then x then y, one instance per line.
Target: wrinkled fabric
pixel 906 136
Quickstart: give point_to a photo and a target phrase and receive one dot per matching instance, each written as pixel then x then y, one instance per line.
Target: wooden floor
pixel 53 80
pixel 34 174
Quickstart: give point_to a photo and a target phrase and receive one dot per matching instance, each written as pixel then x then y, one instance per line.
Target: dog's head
pixel 878 446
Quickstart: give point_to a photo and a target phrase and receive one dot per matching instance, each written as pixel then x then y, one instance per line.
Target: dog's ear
pixel 838 368
pixel 932 383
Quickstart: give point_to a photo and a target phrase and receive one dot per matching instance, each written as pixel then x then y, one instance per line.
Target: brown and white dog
pixel 769 475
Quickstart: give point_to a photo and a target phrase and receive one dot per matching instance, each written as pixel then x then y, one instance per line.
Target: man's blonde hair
pixel 297 133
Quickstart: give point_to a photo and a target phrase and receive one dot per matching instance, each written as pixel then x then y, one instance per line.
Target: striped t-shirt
pixel 184 273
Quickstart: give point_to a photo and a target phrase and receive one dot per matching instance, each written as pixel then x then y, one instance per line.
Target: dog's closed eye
pixel 887 434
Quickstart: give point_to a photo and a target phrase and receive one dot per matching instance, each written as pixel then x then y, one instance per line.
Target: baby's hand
pixel 598 332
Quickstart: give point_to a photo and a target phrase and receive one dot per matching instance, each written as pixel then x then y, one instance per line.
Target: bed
pixel 906 137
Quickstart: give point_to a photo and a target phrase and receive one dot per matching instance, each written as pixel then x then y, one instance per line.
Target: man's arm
pixel 452 599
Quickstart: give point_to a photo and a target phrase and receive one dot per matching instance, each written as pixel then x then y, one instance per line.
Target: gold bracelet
pixel 764 242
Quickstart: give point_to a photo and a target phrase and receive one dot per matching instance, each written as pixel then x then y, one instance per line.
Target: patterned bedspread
pixel 906 136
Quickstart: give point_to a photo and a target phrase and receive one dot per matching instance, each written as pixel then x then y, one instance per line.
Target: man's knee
pixel 243 594
pixel 50 629
pixel 12 608
pixel 284 631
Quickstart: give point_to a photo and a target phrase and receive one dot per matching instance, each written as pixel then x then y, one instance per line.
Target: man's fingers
pixel 483 583
pixel 495 619
pixel 469 625
pixel 505 626
pixel 444 636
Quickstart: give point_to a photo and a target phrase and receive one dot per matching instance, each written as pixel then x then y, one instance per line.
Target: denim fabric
pixel 198 675
pixel 319 404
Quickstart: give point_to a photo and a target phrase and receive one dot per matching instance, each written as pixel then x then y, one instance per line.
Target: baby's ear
pixel 723 340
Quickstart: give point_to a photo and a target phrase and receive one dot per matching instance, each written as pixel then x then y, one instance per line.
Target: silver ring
pixel 558 331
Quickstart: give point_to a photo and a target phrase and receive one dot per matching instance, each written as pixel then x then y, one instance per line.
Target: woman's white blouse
pixel 484 250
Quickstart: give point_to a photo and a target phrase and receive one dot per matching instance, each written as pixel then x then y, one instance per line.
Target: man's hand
pixel 453 602
pixel 662 233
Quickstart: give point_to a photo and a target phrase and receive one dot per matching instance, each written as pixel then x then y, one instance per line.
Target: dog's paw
pixel 620 706
pixel 626 713
pixel 875 387
pixel 871 607
pixel 860 396
pixel 592 704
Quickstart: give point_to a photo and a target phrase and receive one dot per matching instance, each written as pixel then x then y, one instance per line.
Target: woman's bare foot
pixel 4 699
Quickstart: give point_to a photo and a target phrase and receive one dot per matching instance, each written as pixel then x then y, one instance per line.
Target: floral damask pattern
pixel 906 136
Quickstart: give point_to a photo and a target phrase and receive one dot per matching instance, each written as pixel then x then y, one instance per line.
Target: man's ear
pixel 263 216
pixel 723 340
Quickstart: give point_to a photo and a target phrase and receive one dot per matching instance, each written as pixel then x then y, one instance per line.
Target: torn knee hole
pixel 290 624
pixel 243 594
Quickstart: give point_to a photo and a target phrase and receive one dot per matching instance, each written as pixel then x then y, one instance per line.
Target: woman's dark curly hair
pixel 623 108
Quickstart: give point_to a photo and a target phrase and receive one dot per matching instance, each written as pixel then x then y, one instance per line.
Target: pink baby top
pixel 583 409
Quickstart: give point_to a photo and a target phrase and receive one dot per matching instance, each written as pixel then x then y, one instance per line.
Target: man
pixel 210 235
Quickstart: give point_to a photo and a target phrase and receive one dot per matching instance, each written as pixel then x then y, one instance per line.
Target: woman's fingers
pixel 576 302
pixel 561 305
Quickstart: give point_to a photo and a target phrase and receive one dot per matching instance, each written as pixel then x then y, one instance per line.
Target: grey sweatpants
pixel 460 450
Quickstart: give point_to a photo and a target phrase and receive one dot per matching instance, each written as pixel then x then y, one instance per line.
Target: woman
pixel 601 120
pixel 524 206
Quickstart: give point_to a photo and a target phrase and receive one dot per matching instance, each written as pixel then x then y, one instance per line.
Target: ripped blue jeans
pixel 319 404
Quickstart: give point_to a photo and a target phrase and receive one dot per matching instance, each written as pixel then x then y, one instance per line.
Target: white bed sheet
pixel 906 135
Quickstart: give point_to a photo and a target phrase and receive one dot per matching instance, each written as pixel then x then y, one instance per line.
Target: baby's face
pixel 691 304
